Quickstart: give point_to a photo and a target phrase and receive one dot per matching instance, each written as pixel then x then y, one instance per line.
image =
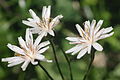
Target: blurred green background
pixel 106 65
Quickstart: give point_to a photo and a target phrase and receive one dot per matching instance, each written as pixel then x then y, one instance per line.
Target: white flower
pixel 44 25
pixel 28 51
pixel 88 38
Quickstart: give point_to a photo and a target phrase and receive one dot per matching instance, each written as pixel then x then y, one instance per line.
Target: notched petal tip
pixel 61 16
pixel 101 20
pixel 19 38
pixel 49 7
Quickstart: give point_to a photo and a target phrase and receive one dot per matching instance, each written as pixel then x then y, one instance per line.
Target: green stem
pixel 56 60
pixel 90 64
pixel 45 71
pixel 69 65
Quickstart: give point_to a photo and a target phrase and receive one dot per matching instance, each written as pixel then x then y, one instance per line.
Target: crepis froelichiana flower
pixel 29 51
pixel 44 25
pixel 88 38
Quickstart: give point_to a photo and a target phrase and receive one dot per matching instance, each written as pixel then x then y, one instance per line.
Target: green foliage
pixel 74 11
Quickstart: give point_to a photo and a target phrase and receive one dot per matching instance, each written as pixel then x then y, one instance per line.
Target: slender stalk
pixel 45 71
pixel 56 60
pixel 90 64
pixel 69 65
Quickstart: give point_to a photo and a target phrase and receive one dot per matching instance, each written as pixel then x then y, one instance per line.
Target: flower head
pixel 88 38
pixel 28 51
pixel 44 25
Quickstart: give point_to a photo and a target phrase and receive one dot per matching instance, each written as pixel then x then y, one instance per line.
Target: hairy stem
pixel 69 65
pixel 56 60
pixel 90 64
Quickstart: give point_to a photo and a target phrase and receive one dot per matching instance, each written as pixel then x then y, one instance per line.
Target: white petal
pixel 82 53
pixel 22 43
pixel 107 30
pixel 25 64
pixel 55 21
pixel 97 46
pixel 9 59
pixel 15 63
pixel 81 31
pixel 44 33
pixel 38 40
pixel 35 17
pixel 32 24
pixel 72 49
pixel 42 58
pixel 44 11
pixel 99 33
pixel 73 38
pixel 105 35
pixel 80 41
pixel 87 26
pixel 31 20
pixel 88 23
pixel 35 30
pixel 43 44
pixel 99 24
pixel 47 15
pixel 43 50
pixel 92 28
pixel 93 24
pixel 49 61
pixel 34 62
pixel 18 59
pixel 16 49
pixel 51 32
pixel 29 37
pixel 78 49
pixel 89 49
pixel 39 57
